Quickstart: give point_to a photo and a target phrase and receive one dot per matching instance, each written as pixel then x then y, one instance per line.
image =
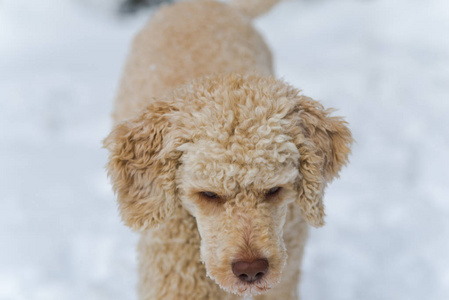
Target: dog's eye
pixel 273 191
pixel 209 195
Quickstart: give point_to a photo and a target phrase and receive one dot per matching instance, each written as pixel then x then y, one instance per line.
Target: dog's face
pixel 238 191
pixel 234 151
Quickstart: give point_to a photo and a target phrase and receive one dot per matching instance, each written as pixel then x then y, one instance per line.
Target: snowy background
pixel 384 64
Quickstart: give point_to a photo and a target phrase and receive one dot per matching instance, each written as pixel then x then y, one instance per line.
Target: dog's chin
pixel 231 284
pixel 246 289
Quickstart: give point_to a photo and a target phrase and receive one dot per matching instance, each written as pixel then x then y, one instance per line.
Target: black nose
pixel 250 271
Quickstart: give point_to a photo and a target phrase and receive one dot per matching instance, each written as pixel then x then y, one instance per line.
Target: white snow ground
pixel 383 64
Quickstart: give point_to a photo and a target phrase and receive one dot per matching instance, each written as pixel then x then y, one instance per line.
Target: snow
pixel 383 64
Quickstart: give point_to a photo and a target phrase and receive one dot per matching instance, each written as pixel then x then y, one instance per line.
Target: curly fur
pixel 182 130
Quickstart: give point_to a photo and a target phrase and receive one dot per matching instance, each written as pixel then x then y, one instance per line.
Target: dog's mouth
pixel 246 287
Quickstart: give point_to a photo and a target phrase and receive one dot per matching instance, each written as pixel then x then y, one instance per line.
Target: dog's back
pixel 188 40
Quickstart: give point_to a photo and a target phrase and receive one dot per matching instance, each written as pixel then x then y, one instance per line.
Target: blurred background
pixel 384 64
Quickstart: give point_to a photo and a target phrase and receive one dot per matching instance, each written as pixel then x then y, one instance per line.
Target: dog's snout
pixel 250 271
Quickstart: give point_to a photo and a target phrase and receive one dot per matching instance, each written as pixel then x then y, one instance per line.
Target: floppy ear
pixel 324 146
pixel 142 165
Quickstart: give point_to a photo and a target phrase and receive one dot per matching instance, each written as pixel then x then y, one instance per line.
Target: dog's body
pixel 211 169
pixel 186 41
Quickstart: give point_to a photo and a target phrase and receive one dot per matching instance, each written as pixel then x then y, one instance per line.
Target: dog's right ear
pixel 142 166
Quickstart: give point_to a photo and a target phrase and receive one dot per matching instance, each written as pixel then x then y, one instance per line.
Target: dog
pixel 220 167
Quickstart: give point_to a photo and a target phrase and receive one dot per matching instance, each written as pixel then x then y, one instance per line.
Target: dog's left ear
pixel 324 144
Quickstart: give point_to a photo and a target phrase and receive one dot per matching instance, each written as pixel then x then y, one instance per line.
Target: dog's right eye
pixel 273 191
pixel 209 195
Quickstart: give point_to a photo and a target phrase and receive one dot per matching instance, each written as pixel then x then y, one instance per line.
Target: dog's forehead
pixel 240 138
pixel 209 163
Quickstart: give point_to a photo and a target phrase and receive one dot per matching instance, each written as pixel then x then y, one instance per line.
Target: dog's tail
pixel 253 8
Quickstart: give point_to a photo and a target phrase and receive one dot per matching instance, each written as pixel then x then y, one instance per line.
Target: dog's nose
pixel 250 271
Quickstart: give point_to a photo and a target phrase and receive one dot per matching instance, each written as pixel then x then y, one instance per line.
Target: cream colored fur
pixel 198 110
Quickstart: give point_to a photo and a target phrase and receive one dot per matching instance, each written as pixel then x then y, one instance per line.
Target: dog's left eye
pixel 273 191
pixel 209 195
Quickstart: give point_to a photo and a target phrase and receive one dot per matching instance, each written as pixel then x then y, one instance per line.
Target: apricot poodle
pixel 220 166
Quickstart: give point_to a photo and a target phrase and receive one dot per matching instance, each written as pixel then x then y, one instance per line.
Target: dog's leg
pixel 295 235
pixel 170 266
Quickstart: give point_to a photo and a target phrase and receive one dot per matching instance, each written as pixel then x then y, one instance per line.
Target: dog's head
pixel 234 151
